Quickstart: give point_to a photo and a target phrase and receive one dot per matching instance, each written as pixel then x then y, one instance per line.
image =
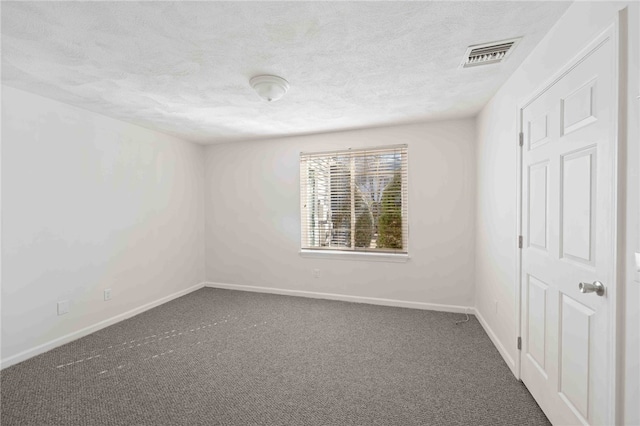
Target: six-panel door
pixel 568 208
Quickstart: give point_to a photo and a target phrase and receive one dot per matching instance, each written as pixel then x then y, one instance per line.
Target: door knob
pixel 596 288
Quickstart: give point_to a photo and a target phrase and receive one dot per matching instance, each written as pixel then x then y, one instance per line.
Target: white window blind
pixel 355 200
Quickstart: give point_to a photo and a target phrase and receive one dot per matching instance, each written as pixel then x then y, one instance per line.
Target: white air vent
pixel 488 53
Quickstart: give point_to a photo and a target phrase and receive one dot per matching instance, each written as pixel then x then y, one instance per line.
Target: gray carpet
pixel 221 357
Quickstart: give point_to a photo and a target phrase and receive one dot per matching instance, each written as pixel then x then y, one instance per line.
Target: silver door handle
pixel 596 288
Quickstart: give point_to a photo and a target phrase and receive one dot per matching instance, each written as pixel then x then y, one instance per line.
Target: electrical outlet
pixel 316 273
pixel 63 307
pixel 107 294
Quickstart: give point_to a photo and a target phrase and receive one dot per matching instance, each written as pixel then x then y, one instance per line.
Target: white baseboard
pixel 29 353
pixel 497 343
pixel 345 298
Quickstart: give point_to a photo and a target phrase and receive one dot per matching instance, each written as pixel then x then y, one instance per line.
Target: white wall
pixel 90 203
pixel 632 311
pixel 253 216
pixel 496 178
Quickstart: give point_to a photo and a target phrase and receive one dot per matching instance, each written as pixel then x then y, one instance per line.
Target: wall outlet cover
pixel 63 307
pixel 107 294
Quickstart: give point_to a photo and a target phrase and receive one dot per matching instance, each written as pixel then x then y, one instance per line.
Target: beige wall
pixel 90 203
pixel 253 216
pixel 496 182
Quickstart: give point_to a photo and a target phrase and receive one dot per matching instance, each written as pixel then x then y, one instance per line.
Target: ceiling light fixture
pixel 269 87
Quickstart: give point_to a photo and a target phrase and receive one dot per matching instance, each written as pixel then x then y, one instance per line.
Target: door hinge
pixel 519 241
pixel 519 343
pixel 521 139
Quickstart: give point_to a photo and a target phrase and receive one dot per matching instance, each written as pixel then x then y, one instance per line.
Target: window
pixel 355 200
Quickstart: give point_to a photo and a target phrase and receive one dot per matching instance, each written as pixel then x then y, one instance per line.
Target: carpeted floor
pixel 221 357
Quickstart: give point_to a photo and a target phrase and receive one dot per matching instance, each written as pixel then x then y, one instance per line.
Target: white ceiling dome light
pixel 269 87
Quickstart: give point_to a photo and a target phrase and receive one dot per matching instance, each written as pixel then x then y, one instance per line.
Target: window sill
pixel 344 255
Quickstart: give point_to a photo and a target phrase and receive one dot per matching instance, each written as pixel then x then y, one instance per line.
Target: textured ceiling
pixel 184 67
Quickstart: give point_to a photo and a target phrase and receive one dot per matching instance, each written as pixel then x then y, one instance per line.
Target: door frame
pixel 617 32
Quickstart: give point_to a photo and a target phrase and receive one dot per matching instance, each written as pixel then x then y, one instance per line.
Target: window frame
pixel 354 253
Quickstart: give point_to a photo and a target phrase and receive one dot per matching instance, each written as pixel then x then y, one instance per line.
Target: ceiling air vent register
pixel 488 53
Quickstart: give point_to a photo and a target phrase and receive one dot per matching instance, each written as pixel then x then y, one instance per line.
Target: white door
pixel 568 226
